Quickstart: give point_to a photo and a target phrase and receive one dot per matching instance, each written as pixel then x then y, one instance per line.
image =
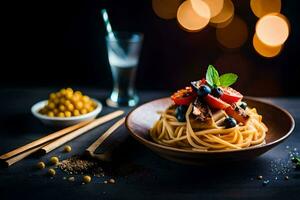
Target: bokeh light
pixel 272 29
pixel 166 9
pixel 265 50
pixel 215 6
pixel 189 19
pixel 234 35
pixel 263 7
pixel 223 24
pixel 226 13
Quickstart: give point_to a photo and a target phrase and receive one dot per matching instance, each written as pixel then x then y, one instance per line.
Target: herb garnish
pixel 214 80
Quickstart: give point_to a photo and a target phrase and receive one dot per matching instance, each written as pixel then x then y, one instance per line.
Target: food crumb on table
pixel 71 179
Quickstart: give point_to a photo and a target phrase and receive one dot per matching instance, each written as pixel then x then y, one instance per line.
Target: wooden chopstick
pixel 22 155
pixel 91 149
pixel 80 131
pixel 43 140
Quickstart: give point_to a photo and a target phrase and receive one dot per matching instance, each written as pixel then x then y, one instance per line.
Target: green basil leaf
pixel 212 76
pixel 228 79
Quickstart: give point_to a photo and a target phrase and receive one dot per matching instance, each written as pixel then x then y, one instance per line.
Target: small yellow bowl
pixel 63 121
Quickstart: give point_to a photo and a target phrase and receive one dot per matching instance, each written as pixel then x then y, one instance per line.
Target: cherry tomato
pixel 215 103
pixel 184 96
pixel 230 95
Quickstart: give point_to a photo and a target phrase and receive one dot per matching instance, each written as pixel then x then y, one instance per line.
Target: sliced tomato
pixel 230 95
pixel 215 103
pixel 184 96
pixel 237 113
pixel 203 81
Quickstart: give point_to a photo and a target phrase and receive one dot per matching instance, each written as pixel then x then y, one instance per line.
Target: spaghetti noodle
pixel 186 135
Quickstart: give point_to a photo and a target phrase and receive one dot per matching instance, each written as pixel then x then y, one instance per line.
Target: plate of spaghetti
pixel 208 121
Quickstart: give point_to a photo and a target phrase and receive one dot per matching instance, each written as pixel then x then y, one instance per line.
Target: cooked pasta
pixel 186 135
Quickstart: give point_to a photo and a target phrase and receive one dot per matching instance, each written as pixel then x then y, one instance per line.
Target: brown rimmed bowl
pixel 142 118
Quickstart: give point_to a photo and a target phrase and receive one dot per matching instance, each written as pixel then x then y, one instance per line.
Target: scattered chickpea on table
pixel 41 165
pixel 67 148
pixel 54 160
pixel 87 179
pixel 51 172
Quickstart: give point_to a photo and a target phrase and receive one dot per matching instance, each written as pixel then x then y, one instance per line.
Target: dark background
pixel 61 43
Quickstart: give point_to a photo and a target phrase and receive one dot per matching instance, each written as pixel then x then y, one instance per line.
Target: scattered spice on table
pixel 78 165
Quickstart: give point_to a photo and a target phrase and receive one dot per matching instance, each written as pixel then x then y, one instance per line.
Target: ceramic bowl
pixel 142 118
pixel 63 121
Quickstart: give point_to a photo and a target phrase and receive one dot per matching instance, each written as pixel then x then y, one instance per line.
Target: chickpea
pixel 90 109
pixel 68 114
pixel 56 101
pixel 78 93
pixel 62 101
pixel 61 114
pixel 94 104
pixel 75 99
pixel 55 111
pixel 83 111
pixel 70 107
pixel 67 149
pixel 87 106
pixel 62 91
pixel 50 114
pixel 62 108
pixel 76 112
pixel 87 179
pixel 51 172
pixel 54 160
pixel 70 90
pixel 79 105
pixel 85 99
pixel 41 165
pixel 67 102
pixel 52 96
pixel 51 105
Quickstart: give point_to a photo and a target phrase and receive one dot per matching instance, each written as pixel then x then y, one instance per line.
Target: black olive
pixel 203 91
pixel 217 92
pixel 243 105
pixel 229 122
pixel 181 117
pixel 180 112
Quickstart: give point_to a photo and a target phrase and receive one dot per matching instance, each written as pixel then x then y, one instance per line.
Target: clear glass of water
pixel 123 56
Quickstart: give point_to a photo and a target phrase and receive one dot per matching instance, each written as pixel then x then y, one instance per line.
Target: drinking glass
pixel 123 56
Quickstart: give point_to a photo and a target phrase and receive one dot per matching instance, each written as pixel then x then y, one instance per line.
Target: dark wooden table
pixel 139 173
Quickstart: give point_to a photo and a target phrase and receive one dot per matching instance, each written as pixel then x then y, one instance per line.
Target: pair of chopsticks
pixel 56 139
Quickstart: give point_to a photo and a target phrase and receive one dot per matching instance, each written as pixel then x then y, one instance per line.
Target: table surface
pixel 139 173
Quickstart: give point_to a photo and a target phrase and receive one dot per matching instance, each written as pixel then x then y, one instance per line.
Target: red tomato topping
pixel 230 95
pixel 184 96
pixel 215 103
pixel 238 114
